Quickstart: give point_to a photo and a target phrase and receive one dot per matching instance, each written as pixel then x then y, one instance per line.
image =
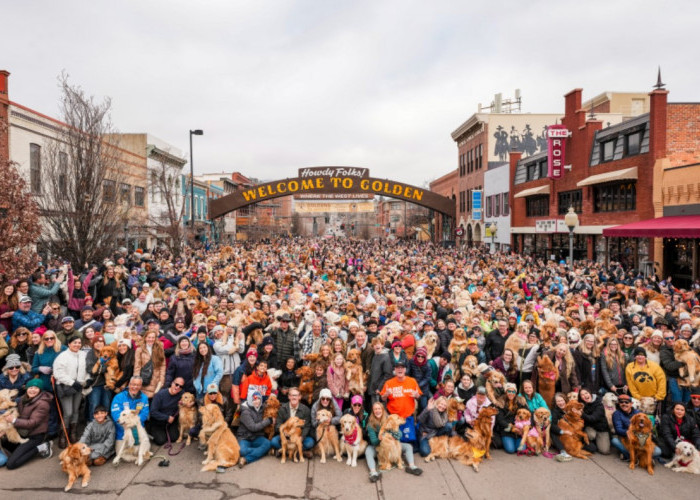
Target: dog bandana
pixel 685 464
pixel 549 375
pixel 135 433
pixel 352 438
pixel 478 453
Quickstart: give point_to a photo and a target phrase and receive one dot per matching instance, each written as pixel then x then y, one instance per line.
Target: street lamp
pixel 493 228
pixel 571 221
pixel 192 132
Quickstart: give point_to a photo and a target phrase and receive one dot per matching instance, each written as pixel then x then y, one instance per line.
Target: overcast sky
pixel 278 85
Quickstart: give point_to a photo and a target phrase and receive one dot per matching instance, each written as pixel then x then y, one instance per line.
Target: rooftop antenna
pixel 592 114
pixel 659 84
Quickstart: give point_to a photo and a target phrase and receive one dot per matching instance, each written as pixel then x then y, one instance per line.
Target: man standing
pixel 164 412
pixel 311 343
pixel 40 292
pixel 496 341
pixel 294 409
pixel 380 369
pixel 286 342
pixel 27 318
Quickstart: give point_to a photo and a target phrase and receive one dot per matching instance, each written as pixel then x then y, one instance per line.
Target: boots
pixel 62 443
pixel 74 433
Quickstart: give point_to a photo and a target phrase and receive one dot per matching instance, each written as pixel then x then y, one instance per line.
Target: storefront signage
pixel 477 196
pixel 551 226
pixel 556 150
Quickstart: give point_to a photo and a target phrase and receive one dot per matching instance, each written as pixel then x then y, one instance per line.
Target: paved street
pixel 504 477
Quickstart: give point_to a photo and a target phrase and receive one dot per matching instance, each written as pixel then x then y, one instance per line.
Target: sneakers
pixel 308 454
pixel 563 457
pixel 241 462
pixel 220 469
pixel 373 477
pixel 99 461
pixel 414 471
pixel 46 449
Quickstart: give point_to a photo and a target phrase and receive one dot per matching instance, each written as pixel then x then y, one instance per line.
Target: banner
pixel 556 150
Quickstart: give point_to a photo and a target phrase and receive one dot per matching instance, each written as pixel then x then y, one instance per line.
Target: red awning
pixel 681 226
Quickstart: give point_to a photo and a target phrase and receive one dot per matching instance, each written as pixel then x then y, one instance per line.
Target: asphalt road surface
pixel 504 476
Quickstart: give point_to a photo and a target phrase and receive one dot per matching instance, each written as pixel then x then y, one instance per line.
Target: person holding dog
pixel 131 399
pixel 677 425
pixel 294 408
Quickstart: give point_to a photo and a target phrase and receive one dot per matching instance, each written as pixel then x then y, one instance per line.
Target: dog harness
pixel 642 438
pixel 352 438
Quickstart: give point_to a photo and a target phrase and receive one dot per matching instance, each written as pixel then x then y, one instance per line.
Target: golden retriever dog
pixel 389 449
pixel 290 438
pixel 686 459
pixel 326 436
pixel 272 408
pixel 429 341
pixel 542 421
pixel 306 383
pixel 494 383
pixel 458 344
pixel 573 423
pixel 547 376
pixel 74 462
pixel 354 373
pixel 8 406
pixel 470 366
pixel 187 416
pixel 691 372
pixel 131 450
pixel 351 442
pixel 222 447
pixel 523 422
pixel 112 371
pixel 455 408
pixel 639 442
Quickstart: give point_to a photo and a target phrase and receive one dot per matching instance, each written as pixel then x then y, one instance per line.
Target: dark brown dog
pixel 639 443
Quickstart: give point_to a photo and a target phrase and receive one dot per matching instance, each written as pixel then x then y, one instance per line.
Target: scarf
pixel 352 438
pixel 187 351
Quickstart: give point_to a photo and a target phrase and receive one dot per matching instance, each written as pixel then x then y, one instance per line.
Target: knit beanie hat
pixel 35 382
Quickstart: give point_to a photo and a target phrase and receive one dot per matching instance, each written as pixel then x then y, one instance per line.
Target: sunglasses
pixel 325 399
pixel 49 338
pixel 21 334
pixel 511 392
pixel 14 368
pixel 669 338
pixel 357 404
pixel 178 385
pixel 624 403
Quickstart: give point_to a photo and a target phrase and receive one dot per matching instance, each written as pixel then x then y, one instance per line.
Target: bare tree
pixel 19 221
pixel 79 200
pixel 167 219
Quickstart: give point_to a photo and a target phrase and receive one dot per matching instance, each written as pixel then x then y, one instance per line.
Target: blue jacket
pixel 45 359
pixel 40 295
pixel 30 320
pixel 536 402
pixel 22 379
pixel 422 374
pixel 123 401
pixel 621 421
pixel 181 365
pixel 213 376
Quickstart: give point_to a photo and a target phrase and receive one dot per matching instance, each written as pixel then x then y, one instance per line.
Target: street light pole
pixel 192 132
pixel 571 221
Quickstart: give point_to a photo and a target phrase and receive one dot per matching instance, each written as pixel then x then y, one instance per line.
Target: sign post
pixel 476 204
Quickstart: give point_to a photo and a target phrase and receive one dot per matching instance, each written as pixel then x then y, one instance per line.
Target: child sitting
pixel 99 435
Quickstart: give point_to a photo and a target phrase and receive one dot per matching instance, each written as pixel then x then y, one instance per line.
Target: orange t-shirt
pixel 400 399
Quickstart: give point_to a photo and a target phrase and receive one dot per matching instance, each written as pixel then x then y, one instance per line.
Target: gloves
pixel 77 386
pixel 46 370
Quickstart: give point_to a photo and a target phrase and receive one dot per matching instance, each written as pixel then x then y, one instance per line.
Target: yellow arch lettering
pixel 249 195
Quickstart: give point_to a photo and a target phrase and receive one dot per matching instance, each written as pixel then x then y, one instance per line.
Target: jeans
pixel 407 450
pixel 70 405
pixel 307 444
pixel 371 457
pixel 510 444
pixel 254 449
pixel 617 444
pixel 424 444
pixel 99 395
pixel 23 453
pixel 3 459
pixel 678 394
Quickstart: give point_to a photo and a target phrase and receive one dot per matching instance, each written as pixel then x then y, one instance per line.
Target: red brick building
pixel 611 182
pixel 447 186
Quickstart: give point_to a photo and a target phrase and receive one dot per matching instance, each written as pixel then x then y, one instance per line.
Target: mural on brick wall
pixel 523 140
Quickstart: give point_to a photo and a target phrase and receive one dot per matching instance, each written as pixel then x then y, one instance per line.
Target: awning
pixel 533 191
pixel 680 226
pixel 616 175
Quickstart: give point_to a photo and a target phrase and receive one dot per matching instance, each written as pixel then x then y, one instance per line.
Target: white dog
pixel 686 459
pixel 351 442
pixel 136 446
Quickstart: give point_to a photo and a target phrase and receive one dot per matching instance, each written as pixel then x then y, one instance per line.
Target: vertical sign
pixel 556 150
pixel 476 204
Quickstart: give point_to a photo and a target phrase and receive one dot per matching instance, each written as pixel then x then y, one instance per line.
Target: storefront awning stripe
pixel 533 191
pixel 681 226
pixel 616 175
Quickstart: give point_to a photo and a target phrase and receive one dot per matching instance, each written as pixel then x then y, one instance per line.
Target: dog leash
pixel 60 413
pixel 169 445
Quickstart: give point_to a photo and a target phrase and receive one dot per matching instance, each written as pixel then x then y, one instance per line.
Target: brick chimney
pixel 4 117
pixel 574 116
pixel 657 123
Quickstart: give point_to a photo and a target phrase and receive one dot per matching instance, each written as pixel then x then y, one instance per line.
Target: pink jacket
pixel 73 303
pixel 337 382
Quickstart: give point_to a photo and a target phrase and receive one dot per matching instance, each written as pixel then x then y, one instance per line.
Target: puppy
pixel 187 416
pixel 686 459
pixel 573 423
pixel 74 460
pixel 290 437
pixel 131 449
pixel 326 436
pixel 522 422
pixel 222 448
pixel 9 406
pixel 272 408
pixel 691 372
pixel 542 419
pixel 639 443
pixel 351 442
pixel 389 449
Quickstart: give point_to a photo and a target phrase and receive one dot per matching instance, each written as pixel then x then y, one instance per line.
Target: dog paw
pixel 354 464
pixel 84 484
pixel 205 462
pixel 475 467
pixel 67 488
pixel 349 462
pixel 338 458
pixel 669 465
pixel 323 460
pixel 179 440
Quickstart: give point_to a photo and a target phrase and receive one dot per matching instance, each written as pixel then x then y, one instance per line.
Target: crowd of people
pixel 234 325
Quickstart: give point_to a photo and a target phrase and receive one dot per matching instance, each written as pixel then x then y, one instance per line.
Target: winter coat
pixel 30 320
pixel 181 365
pixel 213 376
pixel 124 401
pixel 76 303
pixel 141 357
pixel 621 421
pixel 337 381
pixel 380 371
pixel 594 415
pixel 22 378
pixel 506 417
pixel 23 351
pixel 668 362
pixel 303 413
pixel 422 374
pixel 431 421
pixel 91 359
pixel 41 294
pixel 614 376
pixel 333 408
pixel 69 367
pixel 34 414
pixel 668 432
pixel 535 402
pixel 252 424
pixel 472 409
pixel 100 438
pixel 511 376
pixel 230 354
pixel 46 358
pixel 435 376
pixel 495 343
pixel 588 371
pixel 649 381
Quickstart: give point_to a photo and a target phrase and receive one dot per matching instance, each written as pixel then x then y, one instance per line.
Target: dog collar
pixel 685 464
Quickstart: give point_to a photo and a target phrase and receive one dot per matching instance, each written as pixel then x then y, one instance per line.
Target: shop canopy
pixel 680 226
pixel 615 175
pixel 533 191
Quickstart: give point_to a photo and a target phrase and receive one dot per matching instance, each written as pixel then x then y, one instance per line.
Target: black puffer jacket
pixel 594 415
